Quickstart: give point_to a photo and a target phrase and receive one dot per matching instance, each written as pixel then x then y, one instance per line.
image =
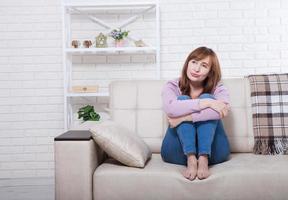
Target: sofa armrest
pixel 76 158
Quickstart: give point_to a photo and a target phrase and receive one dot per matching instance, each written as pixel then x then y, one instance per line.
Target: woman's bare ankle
pixel 203 170
pixel 191 157
pixel 191 171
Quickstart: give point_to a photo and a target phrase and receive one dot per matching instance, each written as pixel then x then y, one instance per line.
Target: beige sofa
pixel 84 171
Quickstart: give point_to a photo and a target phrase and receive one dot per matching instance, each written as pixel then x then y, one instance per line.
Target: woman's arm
pixel 178 120
pixel 174 107
pixel 206 111
pixel 216 109
pixel 222 93
pixel 205 114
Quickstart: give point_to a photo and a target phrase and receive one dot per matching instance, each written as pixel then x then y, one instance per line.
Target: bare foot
pixel 191 170
pixel 203 170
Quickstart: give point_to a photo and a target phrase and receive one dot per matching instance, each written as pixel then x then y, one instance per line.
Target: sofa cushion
pixel 244 176
pixel 121 144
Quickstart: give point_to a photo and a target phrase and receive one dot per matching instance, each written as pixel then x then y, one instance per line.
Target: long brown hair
pixel 214 75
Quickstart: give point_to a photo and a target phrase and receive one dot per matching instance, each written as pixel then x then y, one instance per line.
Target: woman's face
pixel 197 71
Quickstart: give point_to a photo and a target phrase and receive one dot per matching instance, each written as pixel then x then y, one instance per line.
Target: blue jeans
pixel 203 137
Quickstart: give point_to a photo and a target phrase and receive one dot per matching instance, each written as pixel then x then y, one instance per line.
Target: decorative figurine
pixel 87 43
pixel 101 41
pixel 139 43
pixel 75 43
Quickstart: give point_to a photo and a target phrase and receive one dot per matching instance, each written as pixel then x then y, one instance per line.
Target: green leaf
pixel 88 113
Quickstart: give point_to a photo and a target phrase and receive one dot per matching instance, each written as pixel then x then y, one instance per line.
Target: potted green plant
pixel 88 113
pixel 118 35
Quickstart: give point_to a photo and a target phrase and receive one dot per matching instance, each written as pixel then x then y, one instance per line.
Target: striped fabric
pixel 269 98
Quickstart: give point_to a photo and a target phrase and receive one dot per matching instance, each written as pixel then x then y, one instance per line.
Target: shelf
pixel 97 94
pixel 123 14
pixel 110 50
pixel 90 4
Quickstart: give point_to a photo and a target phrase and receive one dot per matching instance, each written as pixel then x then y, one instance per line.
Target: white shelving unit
pixel 111 50
pixel 89 10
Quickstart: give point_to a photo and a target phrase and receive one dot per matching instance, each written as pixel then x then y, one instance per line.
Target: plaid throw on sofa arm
pixel 269 98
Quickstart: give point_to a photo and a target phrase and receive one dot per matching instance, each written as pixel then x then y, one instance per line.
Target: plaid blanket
pixel 269 98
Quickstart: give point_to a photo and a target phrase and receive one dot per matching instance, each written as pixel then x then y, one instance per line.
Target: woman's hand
pixel 178 120
pixel 221 107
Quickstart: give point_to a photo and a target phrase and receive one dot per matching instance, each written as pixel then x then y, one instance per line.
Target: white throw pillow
pixel 121 144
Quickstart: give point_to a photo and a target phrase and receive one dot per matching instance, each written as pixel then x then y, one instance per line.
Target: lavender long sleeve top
pixel 176 108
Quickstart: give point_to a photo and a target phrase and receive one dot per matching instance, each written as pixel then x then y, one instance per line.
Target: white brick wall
pixel 249 36
pixel 31 94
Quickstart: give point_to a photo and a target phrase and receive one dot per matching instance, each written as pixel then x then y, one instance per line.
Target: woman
pixel 195 104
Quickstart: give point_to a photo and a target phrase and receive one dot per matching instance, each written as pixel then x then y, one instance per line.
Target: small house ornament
pixel 101 41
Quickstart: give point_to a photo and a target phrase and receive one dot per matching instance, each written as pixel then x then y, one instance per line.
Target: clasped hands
pixel 218 105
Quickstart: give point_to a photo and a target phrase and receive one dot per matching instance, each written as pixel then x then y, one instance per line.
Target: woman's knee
pixel 206 95
pixel 183 97
pixel 208 123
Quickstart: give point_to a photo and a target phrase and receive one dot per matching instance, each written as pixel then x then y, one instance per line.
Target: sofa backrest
pixel 137 105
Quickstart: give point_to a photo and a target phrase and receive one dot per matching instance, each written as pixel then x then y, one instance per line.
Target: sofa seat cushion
pixel 244 176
